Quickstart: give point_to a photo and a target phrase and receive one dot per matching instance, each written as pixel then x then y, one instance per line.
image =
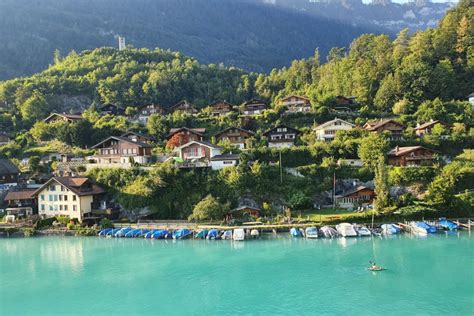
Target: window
pixel 65 207
pixel 60 207
pixel 74 197
pixel 50 207
pixel 42 207
pixel 74 208
pixel 42 197
pixel 50 197
pixel 60 197
pixel 65 197
pixel 228 162
pixel 55 197
pixel 52 188
pixel 337 123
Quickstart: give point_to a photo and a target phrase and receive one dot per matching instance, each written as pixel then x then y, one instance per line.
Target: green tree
pixel 382 190
pixel 372 148
pixel 209 208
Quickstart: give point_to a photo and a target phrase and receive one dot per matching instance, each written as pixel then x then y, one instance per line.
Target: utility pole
pixel 281 169
pixel 334 190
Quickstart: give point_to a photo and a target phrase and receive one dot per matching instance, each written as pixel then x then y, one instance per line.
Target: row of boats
pixel 355 230
pixel 238 234
pixel 183 233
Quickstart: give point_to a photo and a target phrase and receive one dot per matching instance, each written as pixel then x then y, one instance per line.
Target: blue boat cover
pixel 295 232
pixel 213 233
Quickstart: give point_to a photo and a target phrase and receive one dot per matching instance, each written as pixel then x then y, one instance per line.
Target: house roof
pixel 151 105
pixel 376 124
pixel 136 134
pixel 24 194
pixel 328 123
pixel 183 102
pixel 198 131
pixel 431 123
pixel 64 115
pixel 294 96
pixel 229 128
pixel 203 143
pixel 7 167
pixel 279 126
pixel 226 157
pixel 400 151
pixel 220 101
pixel 471 95
pixel 120 138
pixel 255 102
pixel 353 190
pixel 74 184
pixel 245 207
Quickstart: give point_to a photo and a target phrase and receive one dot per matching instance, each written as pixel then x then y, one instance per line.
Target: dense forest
pixel 246 34
pixel 412 79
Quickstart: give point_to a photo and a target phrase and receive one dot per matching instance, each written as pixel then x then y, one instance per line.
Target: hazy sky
pixel 402 1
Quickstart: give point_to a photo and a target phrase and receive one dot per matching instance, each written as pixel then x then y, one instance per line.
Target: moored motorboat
pixel 296 232
pixel 112 232
pixel 142 233
pixel 160 234
pixel 422 228
pixel 201 234
pixel 346 230
pixel 390 229
pixel 150 233
pixel 239 234
pixel 362 231
pixel 227 234
pixel 182 233
pixel 328 232
pixel 122 232
pixel 104 231
pixel 131 233
pixel 213 234
pixel 254 233
pixel 311 232
pixel 447 225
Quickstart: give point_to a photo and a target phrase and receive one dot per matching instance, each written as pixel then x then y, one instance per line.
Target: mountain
pixel 414 15
pixel 247 34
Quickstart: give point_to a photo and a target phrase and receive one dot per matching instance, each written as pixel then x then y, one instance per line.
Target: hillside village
pixel 138 134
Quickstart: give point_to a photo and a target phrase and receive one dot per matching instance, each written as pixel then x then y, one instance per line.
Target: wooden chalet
pixel 221 108
pixel 197 154
pixel 254 107
pixel 411 156
pixel 115 149
pixel 234 135
pixel 426 128
pixel 55 117
pixel 295 104
pixel 21 202
pixel 354 197
pixel 190 134
pixel 137 137
pixel 244 211
pixel 394 128
pixel 111 109
pixel 281 136
pixel 9 173
pixel 146 111
pixel 184 106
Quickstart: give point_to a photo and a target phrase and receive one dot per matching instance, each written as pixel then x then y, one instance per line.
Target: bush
pixel 45 222
pixel 63 220
pixel 106 223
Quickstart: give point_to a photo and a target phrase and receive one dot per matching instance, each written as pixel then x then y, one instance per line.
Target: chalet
pixel 345 104
pixel 146 111
pixel 234 135
pixel 184 106
pixel 470 98
pixel 411 156
pixel 55 117
pixel 327 131
pixel 426 128
pixel 111 109
pixel 122 150
pixel 197 153
pixel 296 104
pixel 394 128
pixel 281 136
pixel 220 108
pixel 74 197
pixel 254 107
pixel 9 173
pixel 137 137
pixel 354 197
pixel 21 202
pixel 244 211
pixel 222 161
pixel 189 134
pixel 4 138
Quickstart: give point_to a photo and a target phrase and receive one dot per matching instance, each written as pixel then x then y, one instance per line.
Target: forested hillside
pixel 246 34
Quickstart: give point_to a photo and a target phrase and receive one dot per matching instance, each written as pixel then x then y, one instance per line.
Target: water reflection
pixel 63 254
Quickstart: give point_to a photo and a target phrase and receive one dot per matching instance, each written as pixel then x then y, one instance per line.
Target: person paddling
pixel 375 267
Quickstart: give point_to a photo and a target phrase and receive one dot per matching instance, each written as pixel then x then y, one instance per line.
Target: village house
pixel 345 104
pixel 235 135
pixel 9 173
pixel 21 203
pixel 4 138
pixel 244 211
pixel 220 108
pixel 137 137
pixel 122 150
pixel 184 106
pixel 426 128
pixel 187 134
pixel 146 111
pixel 254 107
pixel 74 197
pixel 355 197
pixel 222 161
pixel 327 131
pixel 197 154
pixel 394 128
pixel 55 117
pixel 281 136
pixel 411 156
pixel 296 104
pixel 111 109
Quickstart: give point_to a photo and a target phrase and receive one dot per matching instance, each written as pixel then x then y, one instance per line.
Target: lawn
pixel 329 215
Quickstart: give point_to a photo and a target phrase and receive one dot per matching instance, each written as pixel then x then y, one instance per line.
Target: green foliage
pixel 106 223
pixel 412 175
pixel 382 189
pixel 372 148
pixel 209 208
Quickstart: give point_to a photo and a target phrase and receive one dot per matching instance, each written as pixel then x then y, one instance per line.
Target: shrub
pixel 106 223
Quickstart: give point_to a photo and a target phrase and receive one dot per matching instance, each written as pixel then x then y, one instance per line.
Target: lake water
pixel 274 275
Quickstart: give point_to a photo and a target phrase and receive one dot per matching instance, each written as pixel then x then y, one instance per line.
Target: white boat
pixel 346 230
pixel 227 235
pixel 362 230
pixel 254 233
pixel 239 234
pixel 311 232
pixel 328 232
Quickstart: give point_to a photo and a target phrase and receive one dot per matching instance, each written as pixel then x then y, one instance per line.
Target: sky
pixel 404 1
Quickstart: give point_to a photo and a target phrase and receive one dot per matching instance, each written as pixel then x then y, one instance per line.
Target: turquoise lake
pixel 273 275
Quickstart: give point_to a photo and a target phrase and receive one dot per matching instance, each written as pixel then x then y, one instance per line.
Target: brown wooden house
pixel 146 111
pixel 122 150
pixel 221 108
pixel 196 134
pixel 55 117
pixel 295 104
pixel 21 202
pixel 357 196
pixel 111 109
pixel 411 156
pixel 254 107
pixel 138 137
pixel 426 128
pixel 281 136
pixel 244 211
pixel 9 173
pixel 234 135
pixel 394 128
pixel 184 106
